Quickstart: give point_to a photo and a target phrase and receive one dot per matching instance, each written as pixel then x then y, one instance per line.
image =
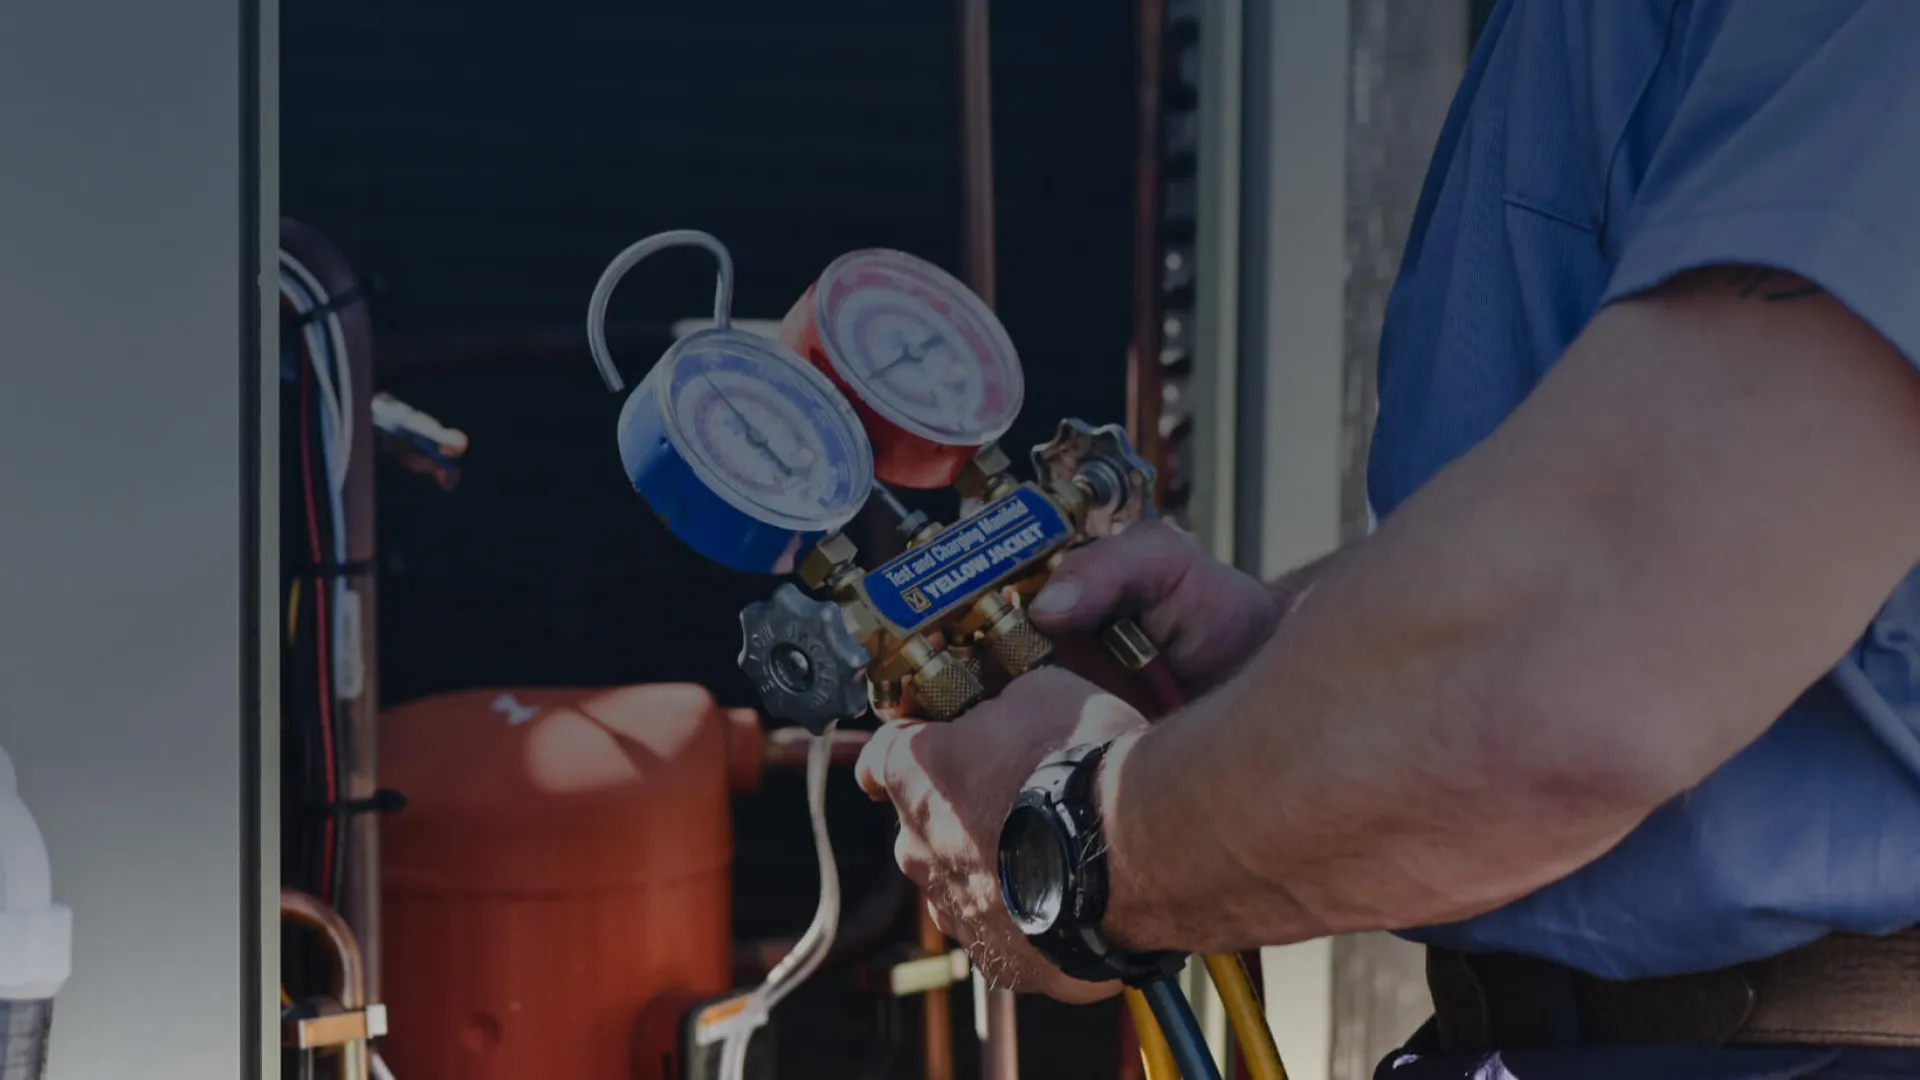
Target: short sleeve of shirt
pixel 1796 145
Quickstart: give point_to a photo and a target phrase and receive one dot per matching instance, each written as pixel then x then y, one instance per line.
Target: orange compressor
pixel 562 863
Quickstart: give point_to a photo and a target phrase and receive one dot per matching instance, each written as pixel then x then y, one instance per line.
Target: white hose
pixel 380 1070
pixel 627 260
pixel 807 956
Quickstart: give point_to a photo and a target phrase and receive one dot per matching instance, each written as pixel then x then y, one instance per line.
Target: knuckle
pixel 908 847
pixel 1160 535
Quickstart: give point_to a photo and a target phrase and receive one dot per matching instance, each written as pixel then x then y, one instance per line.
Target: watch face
pixel 1033 862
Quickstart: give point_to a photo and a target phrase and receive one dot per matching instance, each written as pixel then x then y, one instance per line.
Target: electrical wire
pixel 325 341
pixel 380 1070
pixel 324 349
pixel 321 639
pixel 807 956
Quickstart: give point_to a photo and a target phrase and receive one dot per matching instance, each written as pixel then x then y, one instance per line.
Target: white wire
pixel 304 303
pixel 295 288
pixel 811 951
pixel 333 344
pixel 380 1070
pixel 326 348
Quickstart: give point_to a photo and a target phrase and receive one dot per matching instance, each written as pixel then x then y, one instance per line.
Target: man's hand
pixel 1206 616
pixel 953 785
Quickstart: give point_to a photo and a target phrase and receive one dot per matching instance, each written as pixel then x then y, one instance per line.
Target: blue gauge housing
pixel 691 490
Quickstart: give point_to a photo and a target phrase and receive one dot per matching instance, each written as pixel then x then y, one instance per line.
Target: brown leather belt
pixel 1844 990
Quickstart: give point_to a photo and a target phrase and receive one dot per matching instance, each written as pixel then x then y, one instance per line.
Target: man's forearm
pixel 1350 780
pixel 1579 620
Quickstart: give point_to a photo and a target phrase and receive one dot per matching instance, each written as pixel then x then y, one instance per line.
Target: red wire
pixel 320 617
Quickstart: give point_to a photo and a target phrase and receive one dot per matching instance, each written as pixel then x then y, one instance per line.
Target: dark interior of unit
pixel 480 162
pixel 1481 11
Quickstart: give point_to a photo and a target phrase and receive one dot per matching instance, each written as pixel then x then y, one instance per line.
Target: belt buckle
pixel 1709 1008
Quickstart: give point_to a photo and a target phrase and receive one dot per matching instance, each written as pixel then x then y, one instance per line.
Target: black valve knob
pixel 804 662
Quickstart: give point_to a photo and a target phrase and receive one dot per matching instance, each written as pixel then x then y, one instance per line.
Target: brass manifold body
pixel 939 638
pixel 942 655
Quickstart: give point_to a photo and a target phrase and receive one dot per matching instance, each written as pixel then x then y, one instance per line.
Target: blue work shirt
pixel 1596 149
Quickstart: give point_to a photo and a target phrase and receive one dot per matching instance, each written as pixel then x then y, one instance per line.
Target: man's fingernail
pixel 1057 598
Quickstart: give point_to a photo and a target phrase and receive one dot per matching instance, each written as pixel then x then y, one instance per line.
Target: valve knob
pixel 1103 462
pixel 803 661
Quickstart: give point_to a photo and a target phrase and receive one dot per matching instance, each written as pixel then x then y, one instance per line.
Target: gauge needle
pixel 907 354
pixel 755 437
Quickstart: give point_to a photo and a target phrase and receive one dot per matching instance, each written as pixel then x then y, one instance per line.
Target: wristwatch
pixel 1053 872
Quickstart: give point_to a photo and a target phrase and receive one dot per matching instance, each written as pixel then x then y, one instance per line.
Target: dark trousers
pixel 1420 1059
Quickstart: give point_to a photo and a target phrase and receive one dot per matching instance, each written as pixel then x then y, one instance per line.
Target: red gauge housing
pixel 925 362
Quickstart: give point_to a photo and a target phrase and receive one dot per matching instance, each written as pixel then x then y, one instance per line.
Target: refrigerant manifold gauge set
pixel 888 373
pixel 757 453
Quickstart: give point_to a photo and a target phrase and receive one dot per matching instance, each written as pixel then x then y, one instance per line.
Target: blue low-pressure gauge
pixel 745 450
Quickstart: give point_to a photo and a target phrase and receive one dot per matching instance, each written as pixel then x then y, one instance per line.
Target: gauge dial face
pixel 767 432
pixel 919 348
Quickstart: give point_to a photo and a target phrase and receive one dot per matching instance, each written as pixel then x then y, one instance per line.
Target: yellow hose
pixel 1243 1012
pixel 1155 1055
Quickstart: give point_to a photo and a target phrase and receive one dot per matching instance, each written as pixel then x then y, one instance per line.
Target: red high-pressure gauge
pixel 925 362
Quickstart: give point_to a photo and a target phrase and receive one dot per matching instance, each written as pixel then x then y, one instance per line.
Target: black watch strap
pixel 1065 786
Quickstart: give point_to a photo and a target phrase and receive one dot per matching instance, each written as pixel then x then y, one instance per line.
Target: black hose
pixel 24 1027
pixel 1182 1030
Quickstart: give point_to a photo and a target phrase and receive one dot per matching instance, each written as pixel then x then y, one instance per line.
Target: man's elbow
pixel 1608 749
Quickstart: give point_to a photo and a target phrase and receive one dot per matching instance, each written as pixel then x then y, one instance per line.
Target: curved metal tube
pixel 350 983
pixel 786 748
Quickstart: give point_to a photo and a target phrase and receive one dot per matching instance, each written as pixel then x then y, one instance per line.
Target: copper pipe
pixel 1000 1054
pixel 350 969
pixel 360 872
pixel 786 748
pixel 1000 1049
pixel 936 1007
pixel 976 149
pixel 1143 357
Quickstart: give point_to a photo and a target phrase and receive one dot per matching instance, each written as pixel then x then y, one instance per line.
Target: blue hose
pixel 1182 1030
